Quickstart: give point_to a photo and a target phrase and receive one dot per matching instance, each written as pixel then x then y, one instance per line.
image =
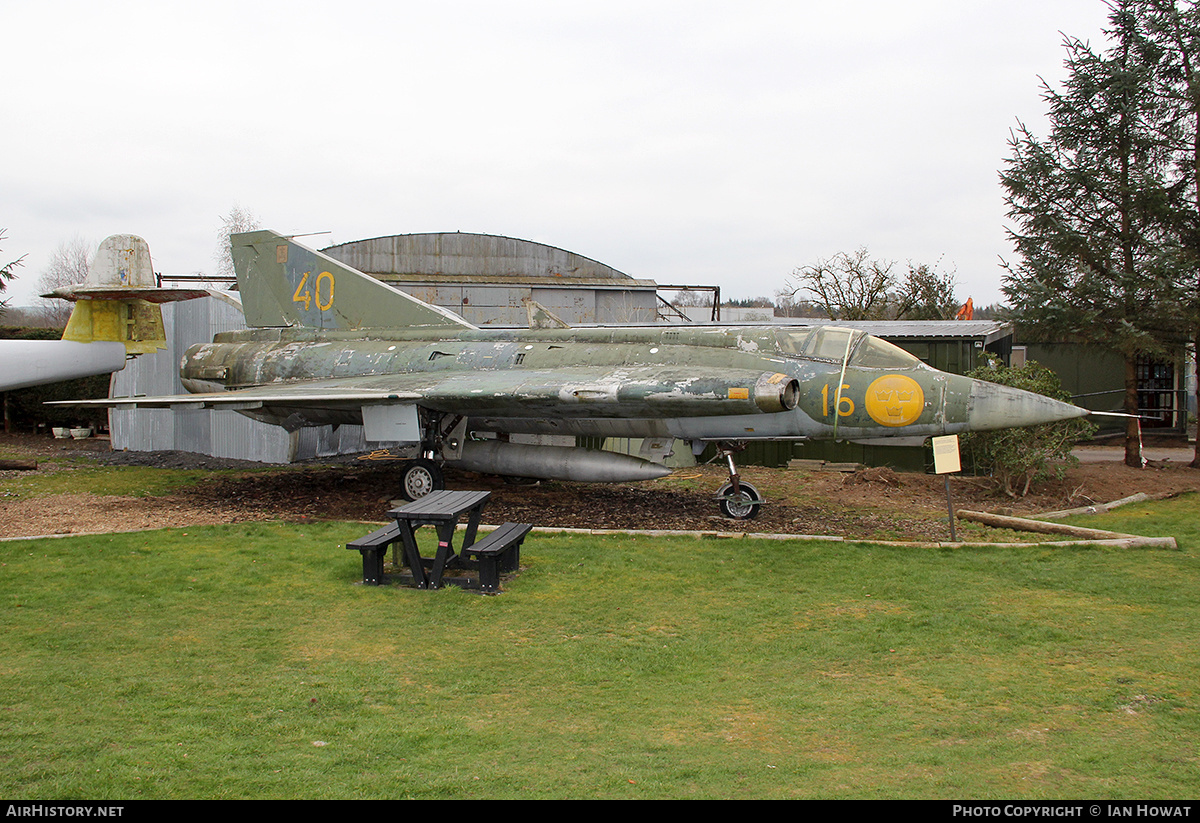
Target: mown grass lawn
pixel 248 661
pixel 74 477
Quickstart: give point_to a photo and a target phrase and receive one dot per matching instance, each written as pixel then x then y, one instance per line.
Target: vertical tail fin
pixel 118 301
pixel 284 283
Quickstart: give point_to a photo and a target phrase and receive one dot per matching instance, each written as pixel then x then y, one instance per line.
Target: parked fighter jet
pixel 331 345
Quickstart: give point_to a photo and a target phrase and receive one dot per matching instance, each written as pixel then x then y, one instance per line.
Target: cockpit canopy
pixel 836 344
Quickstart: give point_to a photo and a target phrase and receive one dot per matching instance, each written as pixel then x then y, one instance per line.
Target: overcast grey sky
pixel 720 143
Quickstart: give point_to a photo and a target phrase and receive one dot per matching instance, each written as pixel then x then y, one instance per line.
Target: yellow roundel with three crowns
pixel 895 400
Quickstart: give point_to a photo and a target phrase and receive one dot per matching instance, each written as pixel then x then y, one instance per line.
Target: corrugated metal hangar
pixel 486 278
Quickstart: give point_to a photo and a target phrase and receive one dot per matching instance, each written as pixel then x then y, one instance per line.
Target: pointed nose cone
pixel 992 406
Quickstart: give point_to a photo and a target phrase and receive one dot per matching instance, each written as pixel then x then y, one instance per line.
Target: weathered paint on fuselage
pixel 691 383
pixel 331 345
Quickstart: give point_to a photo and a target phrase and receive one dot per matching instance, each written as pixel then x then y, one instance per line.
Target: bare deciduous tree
pixel 926 294
pixel 238 220
pixel 691 297
pixel 848 286
pixel 855 287
pixel 68 265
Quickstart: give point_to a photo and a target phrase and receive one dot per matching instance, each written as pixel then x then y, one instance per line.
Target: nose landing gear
pixel 737 499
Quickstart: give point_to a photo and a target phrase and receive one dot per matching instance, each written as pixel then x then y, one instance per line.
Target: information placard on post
pixel 946 462
pixel 945 455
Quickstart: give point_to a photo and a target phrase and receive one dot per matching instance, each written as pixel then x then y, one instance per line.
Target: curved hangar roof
pixel 486 278
pixel 463 258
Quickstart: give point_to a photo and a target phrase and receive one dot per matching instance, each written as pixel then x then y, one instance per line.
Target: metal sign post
pixel 946 461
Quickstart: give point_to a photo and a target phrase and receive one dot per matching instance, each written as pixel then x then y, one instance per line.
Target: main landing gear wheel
pixel 744 505
pixel 420 477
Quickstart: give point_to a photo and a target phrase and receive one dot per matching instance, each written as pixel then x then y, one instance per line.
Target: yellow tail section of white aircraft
pixel 135 323
pixel 119 300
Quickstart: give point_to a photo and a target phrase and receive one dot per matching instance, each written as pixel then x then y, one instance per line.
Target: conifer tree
pixel 7 272
pixel 1174 25
pixel 1089 205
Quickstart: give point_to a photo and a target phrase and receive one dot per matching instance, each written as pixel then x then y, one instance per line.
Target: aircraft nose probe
pixel 991 406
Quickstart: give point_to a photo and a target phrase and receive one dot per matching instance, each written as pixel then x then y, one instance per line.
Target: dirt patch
pixel 871 503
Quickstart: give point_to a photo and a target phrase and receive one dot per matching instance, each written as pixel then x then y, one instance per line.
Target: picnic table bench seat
pixel 374 547
pixel 498 552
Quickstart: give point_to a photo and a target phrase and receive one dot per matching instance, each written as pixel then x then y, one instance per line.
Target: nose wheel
pixel 737 499
pixel 742 502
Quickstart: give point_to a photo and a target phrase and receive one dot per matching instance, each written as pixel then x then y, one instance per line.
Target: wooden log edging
pixel 1004 521
pixel 1042 527
pixel 1113 539
pixel 1120 541
pixel 1098 508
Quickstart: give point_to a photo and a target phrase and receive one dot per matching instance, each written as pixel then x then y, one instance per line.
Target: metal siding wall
pixel 149 374
pixel 229 434
pixel 1095 376
pixel 222 434
pixel 493 305
pixel 326 441
pixel 238 437
pixel 572 305
pixel 493 296
pixel 192 432
pixel 343 440
pixel 308 441
pixel 141 430
pixel 625 307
